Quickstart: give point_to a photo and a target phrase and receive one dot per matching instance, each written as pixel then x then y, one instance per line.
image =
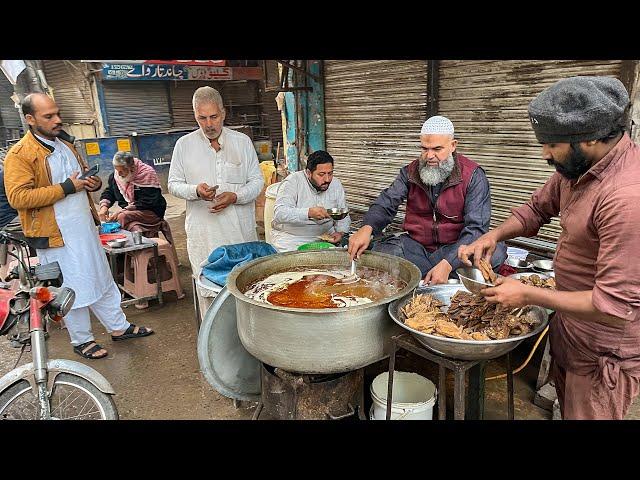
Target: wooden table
pixel 112 254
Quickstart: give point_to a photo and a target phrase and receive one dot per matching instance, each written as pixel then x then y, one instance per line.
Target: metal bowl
pixel 117 243
pixel 338 213
pixel 462 349
pixel 472 279
pixel 543 265
pixel 517 263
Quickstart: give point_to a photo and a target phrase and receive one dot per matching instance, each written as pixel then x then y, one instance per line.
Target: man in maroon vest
pixel 448 205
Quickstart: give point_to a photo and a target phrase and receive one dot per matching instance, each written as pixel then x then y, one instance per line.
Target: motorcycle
pixel 45 389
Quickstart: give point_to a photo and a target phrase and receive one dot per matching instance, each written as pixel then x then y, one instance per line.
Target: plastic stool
pixel 137 268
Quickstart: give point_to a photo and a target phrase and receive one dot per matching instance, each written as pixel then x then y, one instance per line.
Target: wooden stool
pixel 136 271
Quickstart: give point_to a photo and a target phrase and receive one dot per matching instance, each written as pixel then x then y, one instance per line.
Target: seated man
pixel 448 205
pixel 7 213
pixel 300 214
pixel 136 188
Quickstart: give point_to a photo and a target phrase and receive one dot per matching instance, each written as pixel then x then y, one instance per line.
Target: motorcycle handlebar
pixel 6 238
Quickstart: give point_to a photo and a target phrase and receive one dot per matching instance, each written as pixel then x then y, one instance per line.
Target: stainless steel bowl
pixel 117 243
pixel 517 263
pixel 338 213
pixel 462 349
pixel 543 265
pixel 472 279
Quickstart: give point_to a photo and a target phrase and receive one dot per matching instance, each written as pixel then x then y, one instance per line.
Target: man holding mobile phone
pixel 215 169
pixel 59 220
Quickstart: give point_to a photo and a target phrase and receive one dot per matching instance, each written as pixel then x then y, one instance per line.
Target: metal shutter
pixel 487 102
pixel 181 102
pixel 137 106
pixel 273 120
pixel 241 102
pixel 71 89
pixel 373 111
pixel 240 99
pixel 10 123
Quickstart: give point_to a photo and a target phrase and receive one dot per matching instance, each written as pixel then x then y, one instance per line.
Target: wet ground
pixel 158 377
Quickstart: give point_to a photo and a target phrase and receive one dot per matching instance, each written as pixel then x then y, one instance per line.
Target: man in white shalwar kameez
pixel 215 169
pixel 81 257
pixel 301 214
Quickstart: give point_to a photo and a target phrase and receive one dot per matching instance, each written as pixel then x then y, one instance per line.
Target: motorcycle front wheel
pixel 72 398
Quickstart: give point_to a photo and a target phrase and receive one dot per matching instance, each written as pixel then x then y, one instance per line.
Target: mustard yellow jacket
pixel 27 180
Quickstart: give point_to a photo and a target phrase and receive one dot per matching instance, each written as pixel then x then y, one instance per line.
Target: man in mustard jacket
pixel 59 220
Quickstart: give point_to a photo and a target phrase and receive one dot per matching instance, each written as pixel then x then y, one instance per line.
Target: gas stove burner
pixel 294 396
pixel 308 378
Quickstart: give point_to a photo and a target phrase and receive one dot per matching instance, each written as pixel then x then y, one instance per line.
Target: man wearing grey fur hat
pixel 595 334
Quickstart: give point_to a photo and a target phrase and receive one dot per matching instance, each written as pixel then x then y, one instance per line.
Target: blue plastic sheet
pixel 223 259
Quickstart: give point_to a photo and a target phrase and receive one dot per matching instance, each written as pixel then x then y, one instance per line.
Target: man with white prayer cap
pixel 448 205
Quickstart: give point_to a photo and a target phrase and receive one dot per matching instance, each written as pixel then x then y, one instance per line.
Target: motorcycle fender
pixel 55 367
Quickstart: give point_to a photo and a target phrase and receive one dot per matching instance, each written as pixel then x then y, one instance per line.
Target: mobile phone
pixel 91 172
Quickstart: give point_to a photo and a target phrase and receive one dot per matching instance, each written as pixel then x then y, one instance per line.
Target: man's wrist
pixel 367 228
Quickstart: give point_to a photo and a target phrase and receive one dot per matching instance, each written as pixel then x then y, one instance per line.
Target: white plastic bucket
pixel 517 253
pixel 269 204
pixel 413 397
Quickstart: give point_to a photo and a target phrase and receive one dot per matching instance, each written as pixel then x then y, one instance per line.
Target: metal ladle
pixel 353 276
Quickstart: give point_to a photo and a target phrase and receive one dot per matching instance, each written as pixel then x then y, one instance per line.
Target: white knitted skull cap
pixel 437 125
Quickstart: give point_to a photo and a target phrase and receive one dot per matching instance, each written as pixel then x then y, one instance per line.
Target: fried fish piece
pixel 479 336
pixel 448 329
pixel 487 271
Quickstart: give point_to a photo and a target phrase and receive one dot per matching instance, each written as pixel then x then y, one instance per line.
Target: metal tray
pixel 462 349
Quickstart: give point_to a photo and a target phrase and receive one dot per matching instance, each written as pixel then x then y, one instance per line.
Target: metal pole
pixel 27 82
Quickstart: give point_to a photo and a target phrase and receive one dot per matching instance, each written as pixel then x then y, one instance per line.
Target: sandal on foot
pixel 128 333
pixel 89 353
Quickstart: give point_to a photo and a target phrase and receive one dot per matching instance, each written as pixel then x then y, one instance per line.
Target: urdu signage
pixel 133 71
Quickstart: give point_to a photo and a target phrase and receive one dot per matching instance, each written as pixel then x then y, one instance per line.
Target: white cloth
pixel 234 169
pixel 12 69
pixel 437 125
pixel 82 260
pixel 291 225
pixel 107 309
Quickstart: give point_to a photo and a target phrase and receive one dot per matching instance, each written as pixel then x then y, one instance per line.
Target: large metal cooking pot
pixel 316 340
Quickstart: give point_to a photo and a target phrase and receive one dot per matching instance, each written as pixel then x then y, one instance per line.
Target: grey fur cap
pixel 578 109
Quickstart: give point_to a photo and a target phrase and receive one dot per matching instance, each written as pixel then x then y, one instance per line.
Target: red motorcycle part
pixel 5 299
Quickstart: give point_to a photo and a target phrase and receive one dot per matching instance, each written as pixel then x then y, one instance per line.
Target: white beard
pixel 435 175
pixel 126 179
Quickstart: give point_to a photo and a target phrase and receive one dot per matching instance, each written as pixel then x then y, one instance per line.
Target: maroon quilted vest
pixel 442 225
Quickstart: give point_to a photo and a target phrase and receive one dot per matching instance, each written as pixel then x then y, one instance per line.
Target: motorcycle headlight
pixel 63 301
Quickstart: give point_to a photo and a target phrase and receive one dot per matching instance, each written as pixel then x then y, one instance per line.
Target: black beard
pixel 46 133
pixel 316 186
pixel 575 166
